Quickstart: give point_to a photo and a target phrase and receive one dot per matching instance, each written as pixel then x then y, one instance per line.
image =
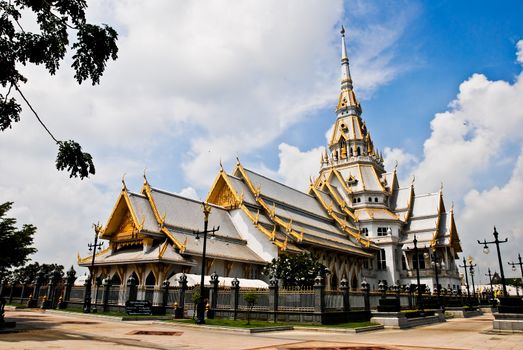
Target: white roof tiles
pixel 187 214
pixel 143 211
pixel 285 194
pixel 425 205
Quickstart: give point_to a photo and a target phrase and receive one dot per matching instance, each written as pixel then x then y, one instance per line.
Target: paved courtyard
pixel 44 330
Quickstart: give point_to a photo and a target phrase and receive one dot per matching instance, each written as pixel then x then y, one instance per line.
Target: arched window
pixel 135 277
pixel 150 280
pixel 116 280
pixel 351 153
pixel 376 199
pixel 334 281
pixel 354 282
pixel 358 152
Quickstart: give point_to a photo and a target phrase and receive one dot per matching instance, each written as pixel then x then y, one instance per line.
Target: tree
pixel 15 244
pixel 29 271
pixel 295 270
pixel 251 299
pixel 195 296
pixel 93 47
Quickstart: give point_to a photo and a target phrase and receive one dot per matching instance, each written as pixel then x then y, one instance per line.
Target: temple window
pixel 150 280
pixel 370 199
pixel 403 262
pixel 382 231
pixel 365 232
pixel 382 265
pixel 376 199
pixel 358 152
pixel 418 260
pixel 116 280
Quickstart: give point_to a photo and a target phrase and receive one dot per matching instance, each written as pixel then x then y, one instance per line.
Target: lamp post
pixel 513 264
pixel 200 311
pixel 471 270
pixel 490 282
pixel 420 300
pixel 436 260
pixel 466 277
pixel 92 247
pixel 486 250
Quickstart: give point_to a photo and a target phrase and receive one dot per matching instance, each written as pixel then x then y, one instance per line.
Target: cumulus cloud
pixel 190 192
pixel 297 167
pixel 468 143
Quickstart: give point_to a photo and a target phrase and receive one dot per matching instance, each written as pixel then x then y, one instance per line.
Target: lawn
pixel 258 324
pixel 232 323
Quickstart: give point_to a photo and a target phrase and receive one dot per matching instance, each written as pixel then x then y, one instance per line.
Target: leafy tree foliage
pixel 28 272
pixel 93 47
pixel 15 244
pixel 295 270
pixel 251 299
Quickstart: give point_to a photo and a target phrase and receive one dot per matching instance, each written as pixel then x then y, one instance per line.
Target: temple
pixel 355 218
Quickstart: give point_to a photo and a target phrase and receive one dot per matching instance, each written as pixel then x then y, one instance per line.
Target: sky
pixel 199 83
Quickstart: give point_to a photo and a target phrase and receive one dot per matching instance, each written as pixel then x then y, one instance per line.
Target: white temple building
pixel 355 218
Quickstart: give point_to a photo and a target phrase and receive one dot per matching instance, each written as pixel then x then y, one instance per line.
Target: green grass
pixel 109 313
pixel 232 323
pixel 17 305
pixel 343 325
pixel 259 324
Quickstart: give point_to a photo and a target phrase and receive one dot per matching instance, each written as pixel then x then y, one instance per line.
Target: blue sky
pixel 195 83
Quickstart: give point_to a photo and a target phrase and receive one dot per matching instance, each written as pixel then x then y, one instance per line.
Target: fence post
pixel 33 299
pixel 13 285
pixel 69 282
pixel 273 296
pixel 179 310
pixel 366 294
pixel 54 276
pixel 165 294
pixel 2 284
pixel 24 286
pixel 344 286
pixel 214 295
pixel 319 296
pixel 131 285
pixel 235 293
pixel 106 288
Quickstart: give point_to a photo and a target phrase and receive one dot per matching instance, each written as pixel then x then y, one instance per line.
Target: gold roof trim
pixel 88 258
pixel 147 191
pixel 342 223
pixel 124 195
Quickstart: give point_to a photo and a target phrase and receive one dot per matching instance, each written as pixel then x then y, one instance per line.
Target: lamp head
pixel 513 267
pixel 486 250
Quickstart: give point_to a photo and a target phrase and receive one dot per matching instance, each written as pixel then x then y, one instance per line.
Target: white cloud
pixel 296 167
pixel 519 54
pixel 190 192
pixel 468 144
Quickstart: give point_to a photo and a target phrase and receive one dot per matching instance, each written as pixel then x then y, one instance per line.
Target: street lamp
pixel 420 300
pixel 465 266
pixel 471 270
pixel 513 264
pixel 490 281
pixel 486 250
pixel 200 311
pixel 92 247
pixel 436 260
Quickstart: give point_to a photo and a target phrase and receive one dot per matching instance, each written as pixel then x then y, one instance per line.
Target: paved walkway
pixel 39 330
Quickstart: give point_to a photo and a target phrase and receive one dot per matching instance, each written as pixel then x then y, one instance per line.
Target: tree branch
pixel 36 114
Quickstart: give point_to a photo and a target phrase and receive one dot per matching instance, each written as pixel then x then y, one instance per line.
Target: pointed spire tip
pixel 342 31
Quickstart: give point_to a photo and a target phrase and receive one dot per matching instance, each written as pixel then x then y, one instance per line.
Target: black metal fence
pixel 314 304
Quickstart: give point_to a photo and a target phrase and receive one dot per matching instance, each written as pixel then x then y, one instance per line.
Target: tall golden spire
pixel 347 102
pixel 346 80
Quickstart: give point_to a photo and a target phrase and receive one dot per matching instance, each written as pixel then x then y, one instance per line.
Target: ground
pixel 54 330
